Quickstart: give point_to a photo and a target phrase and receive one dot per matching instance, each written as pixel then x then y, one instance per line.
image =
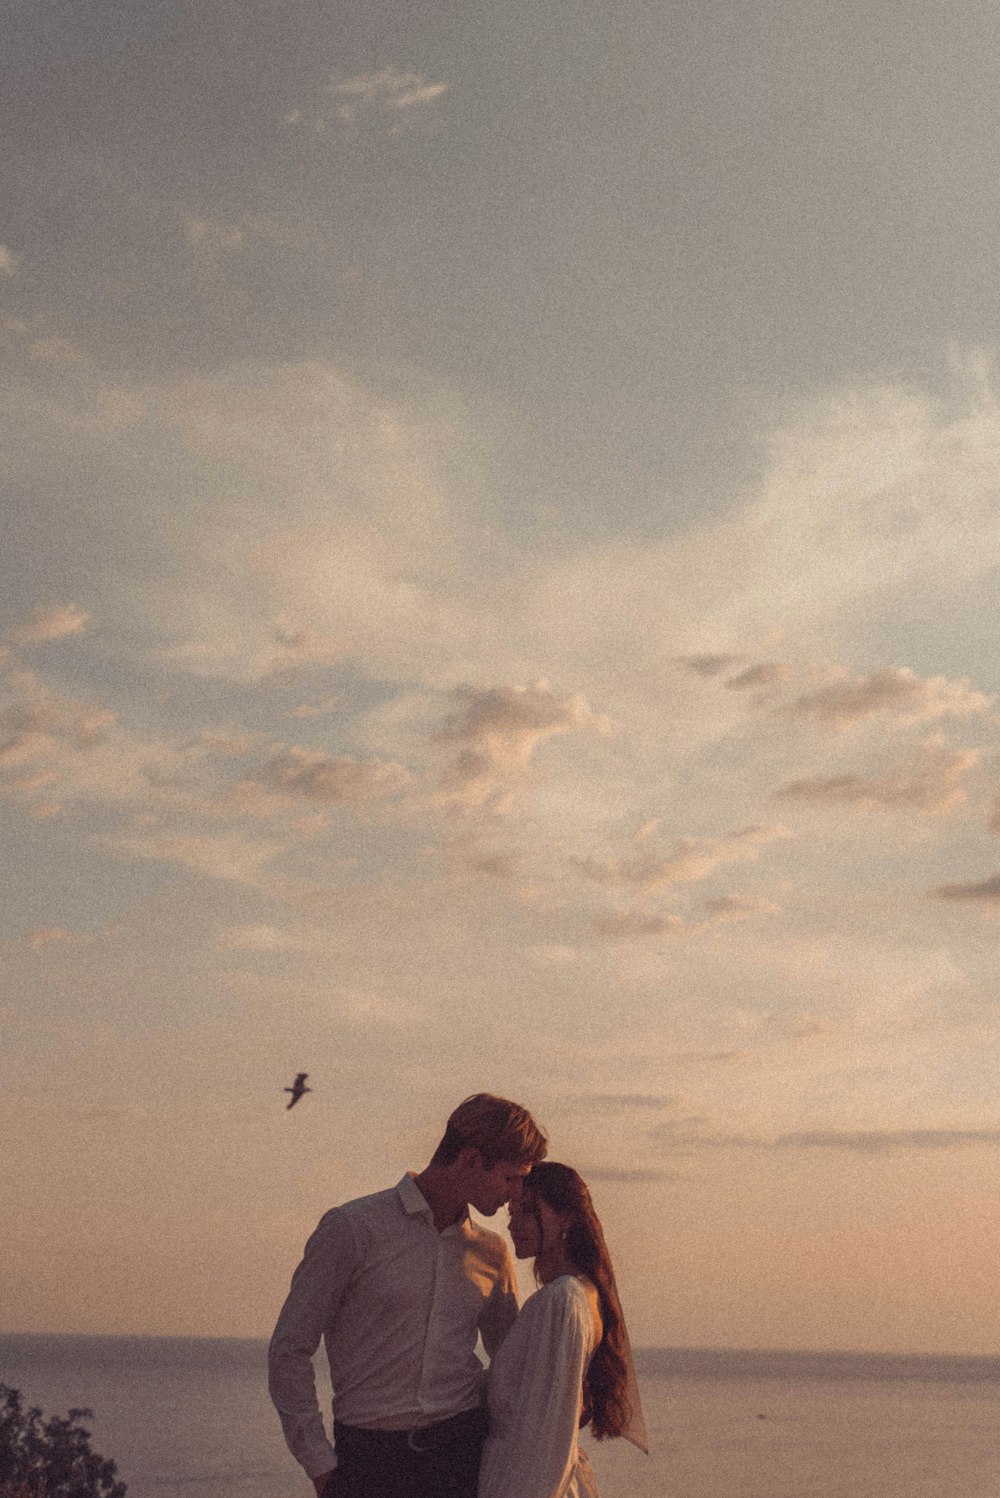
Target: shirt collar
pixel 412 1197
pixel 414 1201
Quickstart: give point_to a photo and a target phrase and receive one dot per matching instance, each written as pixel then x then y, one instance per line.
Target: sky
pixel 499 592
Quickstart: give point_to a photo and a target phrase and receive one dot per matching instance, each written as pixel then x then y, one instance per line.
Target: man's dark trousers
pixel 441 1461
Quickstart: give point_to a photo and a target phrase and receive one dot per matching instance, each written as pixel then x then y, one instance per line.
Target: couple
pixel 400 1285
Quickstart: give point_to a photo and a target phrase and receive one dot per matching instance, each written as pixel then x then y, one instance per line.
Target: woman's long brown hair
pixel 605 1397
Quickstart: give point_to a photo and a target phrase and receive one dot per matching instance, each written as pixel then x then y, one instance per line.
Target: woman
pixel 565 1362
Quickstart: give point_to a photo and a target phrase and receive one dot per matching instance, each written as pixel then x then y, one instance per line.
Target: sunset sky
pixel 499 591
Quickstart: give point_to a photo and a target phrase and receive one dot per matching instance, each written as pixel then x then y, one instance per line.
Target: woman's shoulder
pixel 576 1299
pixel 564 1296
pixel 567 1287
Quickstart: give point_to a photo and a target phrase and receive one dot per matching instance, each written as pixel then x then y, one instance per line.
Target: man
pixel 399 1285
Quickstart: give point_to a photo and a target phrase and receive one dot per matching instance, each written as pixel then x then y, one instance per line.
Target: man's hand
pixel 321 1482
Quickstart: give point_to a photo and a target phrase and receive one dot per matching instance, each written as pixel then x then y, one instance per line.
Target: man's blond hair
pixel 497 1128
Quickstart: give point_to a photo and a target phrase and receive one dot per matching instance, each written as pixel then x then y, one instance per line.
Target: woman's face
pixel 533 1225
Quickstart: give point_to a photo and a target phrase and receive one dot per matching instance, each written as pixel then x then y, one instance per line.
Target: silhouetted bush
pixel 50 1458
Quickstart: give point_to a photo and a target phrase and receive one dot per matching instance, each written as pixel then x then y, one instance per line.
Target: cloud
pixel 874 1142
pixel 80 755
pixel 260 938
pixel 655 1102
pixel 767 674
pixel 933 788
pixel 625 1175
pixel 40 936
pixel 873 502
pixel 481 858
pixel 317 709
pixel 740 907
pixel 227 745
pixel 985 891
pixel 210 239
pixel 691 860
pixel 375 96
pixel 498 730
pixel 37 731
pixel 291 649
pixel 895 692
pixel 853 1141
pixel 387 100
pixel 60 353
pixel 234 858
pixel 640 923
pixel 707 665
pixel 9 262
pixel 332 781
pixel 644 922
pixel 49 624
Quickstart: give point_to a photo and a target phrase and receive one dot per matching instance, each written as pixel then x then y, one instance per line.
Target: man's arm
pixel 500 1311
pixel 318 1287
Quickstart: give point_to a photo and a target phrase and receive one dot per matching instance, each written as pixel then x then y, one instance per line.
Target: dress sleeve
pixel 317 1290
pixel 538 1455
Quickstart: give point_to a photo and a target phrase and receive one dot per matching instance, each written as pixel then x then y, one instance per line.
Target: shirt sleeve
pixel 318 1287
pixel 539 1453
pixel 500 1310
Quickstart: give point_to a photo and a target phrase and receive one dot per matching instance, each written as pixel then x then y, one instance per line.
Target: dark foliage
pixel 50 1458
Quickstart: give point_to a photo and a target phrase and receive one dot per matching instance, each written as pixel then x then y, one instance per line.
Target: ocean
pixel 190 1418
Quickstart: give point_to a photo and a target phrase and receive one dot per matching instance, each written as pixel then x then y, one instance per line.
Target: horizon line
pixel 677 1348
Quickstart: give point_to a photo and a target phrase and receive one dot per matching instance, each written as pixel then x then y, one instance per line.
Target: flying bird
pixel 297 1089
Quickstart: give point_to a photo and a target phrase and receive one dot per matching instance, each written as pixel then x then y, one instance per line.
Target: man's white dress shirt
pixel 399 1306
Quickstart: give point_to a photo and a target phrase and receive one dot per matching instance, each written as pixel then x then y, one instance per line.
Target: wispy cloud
pixel 646 922
pixel 624 1175
pixel 36 730
pixel 853 1141
pixel 983 891
pixel 497 731
pixel 235 858
pixel 387 100
pixel 644 1101
pixel 767 674
pixel 691 859
pixel 317 709
pixel 293 648
pixel 258 939
pixel 210 239
pixel 41 936
pixel 707 665
pixel 876 1142
pixel 49 624
pixel 932 787
pixel 481 857
pixel 385 92
pixel 893 692
pixel 339 780
pixel 623 923
pixel 55 351
pixel 740 907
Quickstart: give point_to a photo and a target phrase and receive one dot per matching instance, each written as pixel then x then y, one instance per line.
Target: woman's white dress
pixel 534 1396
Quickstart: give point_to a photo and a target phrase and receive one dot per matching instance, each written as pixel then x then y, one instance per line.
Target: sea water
pixel 190 1418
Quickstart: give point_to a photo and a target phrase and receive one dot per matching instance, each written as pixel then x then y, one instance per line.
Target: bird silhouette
pixel 297 1089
